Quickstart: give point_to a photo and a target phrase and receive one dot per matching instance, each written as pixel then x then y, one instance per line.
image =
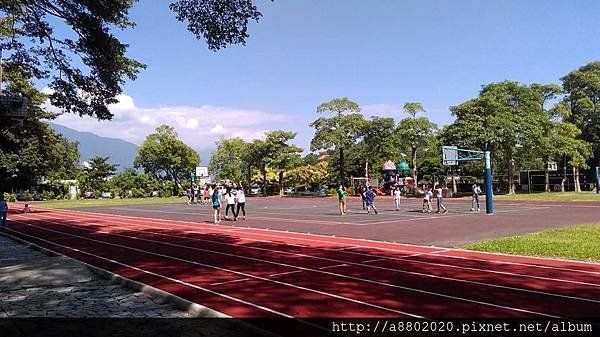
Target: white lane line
pixel 286 273
pixel 346 276
pixel 334 266
pixel 267 279
pixel 378 267
pixel 159 221
pixel 373 260
pixel 232 281
pixel 148 272
pixel 390 258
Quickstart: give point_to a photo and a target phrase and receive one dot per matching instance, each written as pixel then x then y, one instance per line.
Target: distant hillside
pixel 91 145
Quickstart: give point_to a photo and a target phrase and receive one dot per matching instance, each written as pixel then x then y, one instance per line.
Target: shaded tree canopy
pixel 70 46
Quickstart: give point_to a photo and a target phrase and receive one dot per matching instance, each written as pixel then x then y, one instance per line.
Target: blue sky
pixel 378 53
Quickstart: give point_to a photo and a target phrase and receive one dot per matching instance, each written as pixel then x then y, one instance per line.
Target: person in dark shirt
pixel 370 200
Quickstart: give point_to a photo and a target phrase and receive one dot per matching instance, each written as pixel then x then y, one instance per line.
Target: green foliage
pixel 231 160
pixel 10 197
pixel 165 157
pixel 96 173
pixel 71 46
pixel 311 176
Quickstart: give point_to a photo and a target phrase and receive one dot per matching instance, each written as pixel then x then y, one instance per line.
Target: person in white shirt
pixel 440 200
pixel 230 198
pixel 397 194
pixel 475 198
pixel 240 198
pixel 427 194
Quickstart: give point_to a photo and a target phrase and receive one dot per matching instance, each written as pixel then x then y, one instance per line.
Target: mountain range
pixel 121 152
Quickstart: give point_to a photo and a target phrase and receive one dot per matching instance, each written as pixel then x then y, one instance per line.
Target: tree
pixel 32 152
pixel 583 104
pixel 97 170
pixel 415 133
pixel 231 160
pixel 283 156
pixel 164 156
pixel 507 116
pixel 379 141
pixel 70 45
pixel 338 132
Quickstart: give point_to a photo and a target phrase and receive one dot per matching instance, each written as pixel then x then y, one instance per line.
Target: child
pixel 188 194
pixel 230 198
pixel 475 197
pixel 3 211
pixel 370 200
pixel 216 202
pixel 341 191
pixel 440 199
pixel 397 194
pixel 240 197
pixel 26 209
pixel 427 194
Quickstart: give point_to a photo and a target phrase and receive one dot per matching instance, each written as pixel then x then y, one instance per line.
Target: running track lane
pixel 226 260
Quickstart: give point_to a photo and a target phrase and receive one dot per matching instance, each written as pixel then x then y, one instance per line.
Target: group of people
pixel 368 195
pixel 233 198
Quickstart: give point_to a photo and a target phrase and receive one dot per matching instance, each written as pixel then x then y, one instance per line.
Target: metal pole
pixel 489 192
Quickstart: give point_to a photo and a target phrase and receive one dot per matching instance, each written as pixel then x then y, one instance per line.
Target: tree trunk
pixel 454 187
pixel 414 164
pixel 511 173
pixel 576 179
pixel 342 176
pixel 546 177
pixel 281 183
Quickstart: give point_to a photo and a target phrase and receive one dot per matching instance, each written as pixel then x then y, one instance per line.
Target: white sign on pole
pixel 201 171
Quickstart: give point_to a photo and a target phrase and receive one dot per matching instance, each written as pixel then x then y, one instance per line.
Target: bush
pixel 10 197
pixel 138 193
pixel 48 195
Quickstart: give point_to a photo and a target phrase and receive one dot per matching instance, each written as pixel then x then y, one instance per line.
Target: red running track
pixel 243 272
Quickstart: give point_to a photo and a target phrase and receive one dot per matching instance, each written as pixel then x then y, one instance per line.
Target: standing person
pixel 240 198
pixel 205 195
pixel 3 211
pixel 188 193
pixel 427 194
pixel 370 200
pixel 216 203
pixel 230 199
pixel 341 191
pixel 440 199
pixel 475 197
pixel 363 196
pixel 397 194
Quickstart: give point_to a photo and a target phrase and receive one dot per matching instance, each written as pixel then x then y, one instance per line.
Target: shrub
pixel 10 197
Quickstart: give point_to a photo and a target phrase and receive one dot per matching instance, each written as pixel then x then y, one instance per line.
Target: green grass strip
pixel 106 202
pixel 574 242
pixel 552 196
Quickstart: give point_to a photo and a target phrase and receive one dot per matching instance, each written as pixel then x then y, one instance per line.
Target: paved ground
pixel 408 225
pixel 33 284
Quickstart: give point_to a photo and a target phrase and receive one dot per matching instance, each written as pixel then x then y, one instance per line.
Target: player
pixel 230 199
pixel 427 194
pixel 216 202
pixel 341 191
pixel 440 199
pixel 188 193
pixel 475 197
pixel 397 194
pixel 240 198
pixel 370 200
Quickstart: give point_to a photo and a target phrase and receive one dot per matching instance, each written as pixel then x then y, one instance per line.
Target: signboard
pixel 449 155
pixel 552 166
pixel 201 171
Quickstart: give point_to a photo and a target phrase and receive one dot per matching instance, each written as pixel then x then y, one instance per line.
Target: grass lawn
pixel 552 196
pixel 105 202
pixel 574 242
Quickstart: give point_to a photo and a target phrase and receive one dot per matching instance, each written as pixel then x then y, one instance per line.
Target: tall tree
pixel 415 133
pixel 338 132
pixel 70 46
pixel 97 170
pixel 231 160
pixel 583 104
pixel 164 156
pixel 507 116
pixel 284 156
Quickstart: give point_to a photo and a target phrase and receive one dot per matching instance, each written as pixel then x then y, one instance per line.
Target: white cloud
pixel 197 126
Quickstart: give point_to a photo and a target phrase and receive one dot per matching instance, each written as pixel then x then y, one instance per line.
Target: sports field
pixel 270 266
